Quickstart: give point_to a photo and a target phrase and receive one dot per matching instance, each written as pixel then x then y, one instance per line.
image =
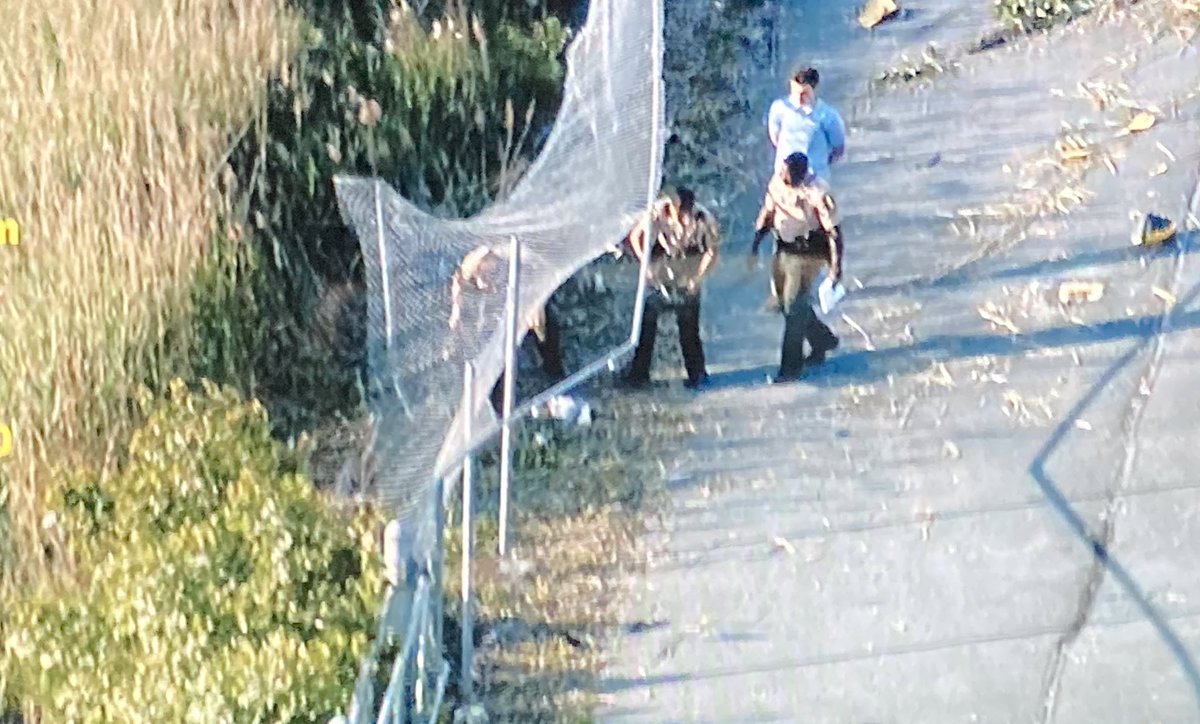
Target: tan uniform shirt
pixel 680 246
pixel 795 212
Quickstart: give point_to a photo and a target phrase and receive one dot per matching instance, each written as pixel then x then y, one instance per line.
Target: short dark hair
pixel 807 76
pixel 687 199
pixel 681 197
pixel 797 167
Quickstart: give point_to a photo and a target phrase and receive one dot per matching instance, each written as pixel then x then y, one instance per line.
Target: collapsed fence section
pixel 448 295
pixel 436 287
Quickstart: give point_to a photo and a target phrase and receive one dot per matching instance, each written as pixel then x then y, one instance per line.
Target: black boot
pixel 638 374
pixel 688 318
pixel 819 353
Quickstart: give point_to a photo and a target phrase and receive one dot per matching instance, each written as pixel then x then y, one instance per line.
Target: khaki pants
pixel 793 278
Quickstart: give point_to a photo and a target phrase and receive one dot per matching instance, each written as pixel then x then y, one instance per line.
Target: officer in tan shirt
pixel 683 238
pixel 800 212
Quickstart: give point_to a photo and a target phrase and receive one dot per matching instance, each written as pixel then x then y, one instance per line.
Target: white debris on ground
pixel 564 408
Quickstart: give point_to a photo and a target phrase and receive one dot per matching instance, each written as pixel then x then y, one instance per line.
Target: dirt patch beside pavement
pixel 582 493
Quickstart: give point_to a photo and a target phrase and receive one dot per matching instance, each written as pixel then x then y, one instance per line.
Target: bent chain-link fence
pixel 436 307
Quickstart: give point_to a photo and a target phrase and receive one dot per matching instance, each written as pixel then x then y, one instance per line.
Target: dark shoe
pixel 696 383
pixel 818 355
pixel 781 379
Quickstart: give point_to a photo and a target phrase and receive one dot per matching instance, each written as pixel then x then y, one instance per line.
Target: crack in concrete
pixel 1087 600
pixel 1100 544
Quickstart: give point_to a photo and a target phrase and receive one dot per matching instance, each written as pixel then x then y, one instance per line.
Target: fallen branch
pixel 855 326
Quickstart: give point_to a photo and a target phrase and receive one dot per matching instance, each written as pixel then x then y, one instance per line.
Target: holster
pixel 816 243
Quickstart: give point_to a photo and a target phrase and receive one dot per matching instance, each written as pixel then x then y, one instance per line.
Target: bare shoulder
pixel 776 185
pixel 821 192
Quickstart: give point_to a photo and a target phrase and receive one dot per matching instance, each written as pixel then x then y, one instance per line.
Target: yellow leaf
pixel 1164 295
pixel 1073 154
pixel 876 11
pixel 1090 291
pixel 784 544
pixel 1141 122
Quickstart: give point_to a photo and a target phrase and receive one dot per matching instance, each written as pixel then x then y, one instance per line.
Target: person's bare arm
pixel 711 231
pixel 637 238
pixel 764 222
pixel 706 263
pixel 835 257
pixel 827 215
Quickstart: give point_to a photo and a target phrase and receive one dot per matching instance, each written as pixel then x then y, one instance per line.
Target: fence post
pixel 438 573
pixel 420 669
pixel 466 685
pixel 511 310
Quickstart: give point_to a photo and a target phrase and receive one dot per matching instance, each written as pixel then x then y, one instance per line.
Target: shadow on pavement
pixel 860 367
pixel 865 366
pixel 1097 542
pixel 967 274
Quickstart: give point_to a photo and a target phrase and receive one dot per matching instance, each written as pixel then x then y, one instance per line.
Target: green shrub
pixel 436 104
pixel 1030 15
pixel 219 585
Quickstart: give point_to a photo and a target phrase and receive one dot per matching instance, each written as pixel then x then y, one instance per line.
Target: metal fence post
pixel 511 311
pixel 421 666
pixel 466 685
pixel 395 702
pixel 438 571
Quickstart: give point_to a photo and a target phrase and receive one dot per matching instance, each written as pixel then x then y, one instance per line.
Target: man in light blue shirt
pixel 802 122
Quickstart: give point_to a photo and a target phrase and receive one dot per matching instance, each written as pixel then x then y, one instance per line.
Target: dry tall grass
pixel 114 123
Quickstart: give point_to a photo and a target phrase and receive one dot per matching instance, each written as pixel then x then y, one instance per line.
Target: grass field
pixel 114 126
pixel 122 128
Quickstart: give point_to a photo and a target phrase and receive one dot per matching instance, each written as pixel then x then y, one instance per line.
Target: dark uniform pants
pixel 549 346
pixel 548 340
pixel 687 316
pixel 793 276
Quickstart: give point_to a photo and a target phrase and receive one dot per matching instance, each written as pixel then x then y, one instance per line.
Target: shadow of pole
pixel 1096 544
pixel 961 276
pixel 1144 329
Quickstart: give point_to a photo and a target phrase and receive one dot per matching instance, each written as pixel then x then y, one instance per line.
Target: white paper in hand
pixel 829 294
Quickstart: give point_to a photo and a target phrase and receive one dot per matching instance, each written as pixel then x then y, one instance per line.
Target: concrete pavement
pixel 983 506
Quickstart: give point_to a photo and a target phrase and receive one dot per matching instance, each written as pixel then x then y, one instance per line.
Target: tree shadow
pixel 529 693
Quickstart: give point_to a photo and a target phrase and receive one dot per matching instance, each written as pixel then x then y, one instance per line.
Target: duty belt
pixel 660 253
pixel 814 243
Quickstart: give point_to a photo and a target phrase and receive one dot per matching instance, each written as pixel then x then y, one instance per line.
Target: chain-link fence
pixel 443 319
